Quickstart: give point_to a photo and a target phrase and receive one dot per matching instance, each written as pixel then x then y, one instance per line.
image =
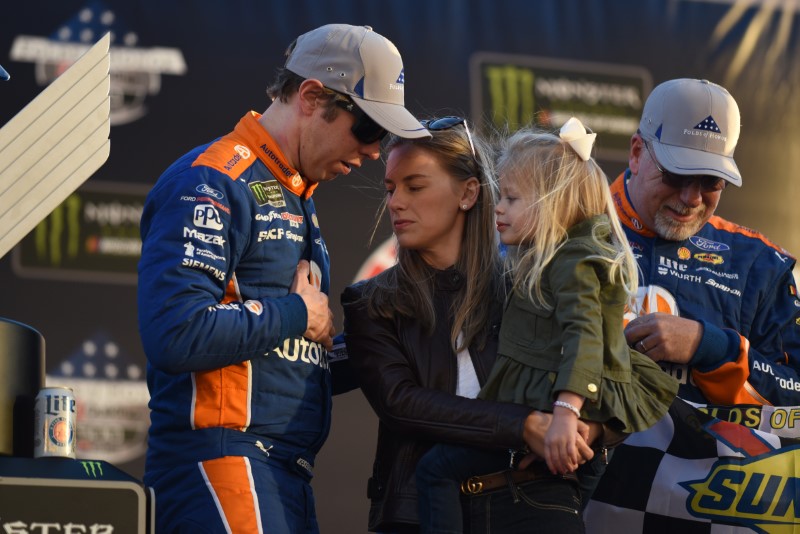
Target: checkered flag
pixel 693 473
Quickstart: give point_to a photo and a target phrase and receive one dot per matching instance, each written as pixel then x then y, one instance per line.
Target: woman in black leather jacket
pixel 422 335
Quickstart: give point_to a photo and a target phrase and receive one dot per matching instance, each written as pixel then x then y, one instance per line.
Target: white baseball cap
pixel 693 126
pixel 362 64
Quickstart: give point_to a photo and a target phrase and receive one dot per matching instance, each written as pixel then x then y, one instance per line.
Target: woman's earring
pixel 464 207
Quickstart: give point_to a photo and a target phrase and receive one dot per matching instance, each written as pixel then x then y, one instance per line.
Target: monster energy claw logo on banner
pixel 512 91
pixel 93 236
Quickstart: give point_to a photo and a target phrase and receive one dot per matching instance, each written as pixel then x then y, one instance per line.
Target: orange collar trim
pixel 627 215
pixel 270 154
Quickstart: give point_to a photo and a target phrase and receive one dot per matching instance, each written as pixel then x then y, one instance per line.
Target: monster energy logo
pixel 268 193
pixel 62 226
pixel 511 96
pixel 93 469
pixel 94 231
pixel 512 91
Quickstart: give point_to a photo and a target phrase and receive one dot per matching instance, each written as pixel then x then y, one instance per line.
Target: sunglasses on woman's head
pixel 366 130
pixel 445 123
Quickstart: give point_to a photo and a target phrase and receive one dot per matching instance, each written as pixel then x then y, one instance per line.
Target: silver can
pixel 54 421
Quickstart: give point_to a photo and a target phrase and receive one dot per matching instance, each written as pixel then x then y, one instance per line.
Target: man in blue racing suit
pixel 718 306
pixel 233 283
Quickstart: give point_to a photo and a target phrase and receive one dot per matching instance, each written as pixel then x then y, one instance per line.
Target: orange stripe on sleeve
pixel 230 481
pixel 222 397
pixel 721 224
pixel 728 383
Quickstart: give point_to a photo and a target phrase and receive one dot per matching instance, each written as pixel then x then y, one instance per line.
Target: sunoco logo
pixel 758 491
pixel 135 71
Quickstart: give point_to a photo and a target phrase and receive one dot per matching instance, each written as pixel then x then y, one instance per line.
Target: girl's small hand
pixel 560 444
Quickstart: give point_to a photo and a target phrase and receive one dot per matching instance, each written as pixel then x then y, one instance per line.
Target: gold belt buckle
pixel 472 486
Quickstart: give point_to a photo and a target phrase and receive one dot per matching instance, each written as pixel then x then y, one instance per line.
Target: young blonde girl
pixel 562 347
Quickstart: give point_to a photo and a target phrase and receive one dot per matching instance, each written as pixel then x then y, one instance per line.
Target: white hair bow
pixel 574 133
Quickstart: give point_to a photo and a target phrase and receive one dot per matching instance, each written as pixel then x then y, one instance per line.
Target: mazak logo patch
pixel 757 491
pixel 706 244
pixel 135 71
pixel 268 192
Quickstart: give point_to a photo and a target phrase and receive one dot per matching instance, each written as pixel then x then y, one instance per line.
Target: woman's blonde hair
pixel 408 288
pixel 562 190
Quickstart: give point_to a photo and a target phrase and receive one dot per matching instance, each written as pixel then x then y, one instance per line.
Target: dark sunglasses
pixel 366 130
pixel 708 184
pixel 445 123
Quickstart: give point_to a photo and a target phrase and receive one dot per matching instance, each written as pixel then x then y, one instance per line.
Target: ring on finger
pixel 641 345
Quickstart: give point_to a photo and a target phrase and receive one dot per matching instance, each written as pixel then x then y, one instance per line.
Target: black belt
pixel 509 477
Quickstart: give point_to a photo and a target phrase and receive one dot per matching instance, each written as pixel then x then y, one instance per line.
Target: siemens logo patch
pixel 199 265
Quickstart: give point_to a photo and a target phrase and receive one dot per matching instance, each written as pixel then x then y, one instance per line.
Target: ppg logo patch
pixel 207 216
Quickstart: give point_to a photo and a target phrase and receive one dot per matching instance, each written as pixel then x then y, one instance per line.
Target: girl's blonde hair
pixel 562 190
pixel 408 289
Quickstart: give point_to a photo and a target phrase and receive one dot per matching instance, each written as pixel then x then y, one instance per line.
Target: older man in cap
pixel 233 283
pixel 718 305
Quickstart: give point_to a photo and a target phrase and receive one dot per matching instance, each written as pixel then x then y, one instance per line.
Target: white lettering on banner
pixel 306 351
pixel 20 527
pixel 205 238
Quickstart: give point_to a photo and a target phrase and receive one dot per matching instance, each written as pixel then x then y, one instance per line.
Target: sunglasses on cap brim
pixel 706 183
pixel 366 130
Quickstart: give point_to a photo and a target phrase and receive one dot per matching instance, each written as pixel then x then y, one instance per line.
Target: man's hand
pixel 320 317
pixel 666 337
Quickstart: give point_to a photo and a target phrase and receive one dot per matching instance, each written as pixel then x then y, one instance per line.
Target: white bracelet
pixel 569 407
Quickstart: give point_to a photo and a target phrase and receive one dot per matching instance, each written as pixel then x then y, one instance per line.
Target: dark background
pixel 231 50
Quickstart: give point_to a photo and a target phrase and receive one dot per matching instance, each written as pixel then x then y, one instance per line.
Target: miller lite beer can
pixel 54 421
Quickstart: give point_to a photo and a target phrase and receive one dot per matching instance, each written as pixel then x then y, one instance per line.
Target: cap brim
pixel 681 160
pixel 393 117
